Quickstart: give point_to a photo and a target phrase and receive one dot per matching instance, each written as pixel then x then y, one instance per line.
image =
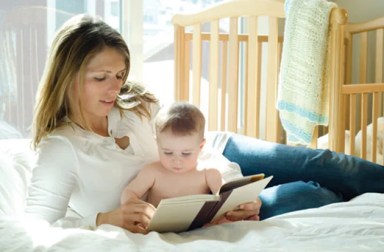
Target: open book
pixel 192 211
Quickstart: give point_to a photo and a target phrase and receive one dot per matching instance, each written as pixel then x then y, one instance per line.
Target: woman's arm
pixel 53 180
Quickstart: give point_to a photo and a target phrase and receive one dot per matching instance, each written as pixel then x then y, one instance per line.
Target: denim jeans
pixel 303 177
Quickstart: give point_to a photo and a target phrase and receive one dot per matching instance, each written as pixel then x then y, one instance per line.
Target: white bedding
pixel 357 225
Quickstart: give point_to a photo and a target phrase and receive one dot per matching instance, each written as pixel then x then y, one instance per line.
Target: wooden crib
pixel 361 96
pixel 227 60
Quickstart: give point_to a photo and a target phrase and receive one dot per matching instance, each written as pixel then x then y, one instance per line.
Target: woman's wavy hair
pixel 75 43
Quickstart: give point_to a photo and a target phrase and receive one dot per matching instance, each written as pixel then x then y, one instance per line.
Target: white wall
pixel 362 10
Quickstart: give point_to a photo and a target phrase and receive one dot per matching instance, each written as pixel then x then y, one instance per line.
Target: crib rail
pixel 363 91
pixel 238 91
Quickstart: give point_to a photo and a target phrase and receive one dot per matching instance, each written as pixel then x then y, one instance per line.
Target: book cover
pixel 193 211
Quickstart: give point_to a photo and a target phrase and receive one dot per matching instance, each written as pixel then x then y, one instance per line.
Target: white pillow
pixel 16 159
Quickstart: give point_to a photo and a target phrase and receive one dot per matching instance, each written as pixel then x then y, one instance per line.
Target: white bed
pixel 357 225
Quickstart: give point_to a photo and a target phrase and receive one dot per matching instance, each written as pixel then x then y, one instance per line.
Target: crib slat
pixel 223 84
pixel 213 76
pixel 186 71
pixel 363 57
pixel 252 85
pixel 363 126
pixel 348 58
pixel 379 56
pixel 379 65
pixel 233 75
pixel 352 120
pixel 272 73
pixel 182 87
pixel 375 115
pixel 196 64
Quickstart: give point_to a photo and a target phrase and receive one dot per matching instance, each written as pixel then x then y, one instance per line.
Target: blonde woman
pixel 93 132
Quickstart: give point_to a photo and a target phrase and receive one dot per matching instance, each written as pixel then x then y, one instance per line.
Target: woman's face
pixel 102 82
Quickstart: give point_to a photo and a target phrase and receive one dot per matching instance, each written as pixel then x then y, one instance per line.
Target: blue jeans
pixel 303 177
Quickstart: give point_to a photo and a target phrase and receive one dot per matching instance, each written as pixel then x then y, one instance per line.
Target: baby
pixel 180 138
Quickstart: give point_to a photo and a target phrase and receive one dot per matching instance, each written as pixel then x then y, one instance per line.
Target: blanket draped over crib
pixel 302 92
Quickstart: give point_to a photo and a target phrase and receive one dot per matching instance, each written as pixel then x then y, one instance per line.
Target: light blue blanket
pixel 302 93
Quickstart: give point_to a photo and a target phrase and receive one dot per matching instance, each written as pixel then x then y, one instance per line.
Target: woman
pixel 93 133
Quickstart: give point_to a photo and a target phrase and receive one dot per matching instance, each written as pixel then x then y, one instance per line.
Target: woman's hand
pixel 248 211
pixel 134 215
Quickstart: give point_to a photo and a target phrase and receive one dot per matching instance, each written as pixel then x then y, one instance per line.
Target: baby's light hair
pixel 182 118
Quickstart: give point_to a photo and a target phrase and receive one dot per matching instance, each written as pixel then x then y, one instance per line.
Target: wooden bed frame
pixel 228 47
pixel 361 95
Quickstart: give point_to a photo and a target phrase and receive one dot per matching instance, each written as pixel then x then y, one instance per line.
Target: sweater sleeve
pixel 53 181
pixel 72 220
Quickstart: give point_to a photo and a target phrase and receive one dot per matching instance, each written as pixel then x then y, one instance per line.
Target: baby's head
pixel 180 136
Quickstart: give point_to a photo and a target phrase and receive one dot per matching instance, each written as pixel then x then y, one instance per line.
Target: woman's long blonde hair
pixel 77 41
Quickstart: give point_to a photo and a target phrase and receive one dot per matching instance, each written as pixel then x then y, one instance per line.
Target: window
pixel 28 26
pixel 152 59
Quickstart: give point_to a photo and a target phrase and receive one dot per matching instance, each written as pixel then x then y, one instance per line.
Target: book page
pixel 177 214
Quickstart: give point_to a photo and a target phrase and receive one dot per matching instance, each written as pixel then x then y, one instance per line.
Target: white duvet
pixel 357 225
